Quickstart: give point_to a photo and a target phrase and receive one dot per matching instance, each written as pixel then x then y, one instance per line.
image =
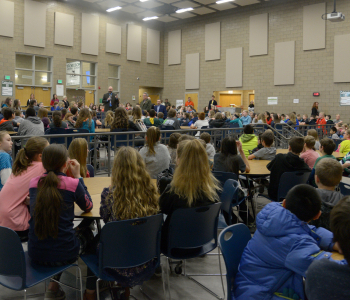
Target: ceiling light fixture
pixel 150 18
pixel 143 0
pixel 224 1
pixel 113 8
pixel 179 11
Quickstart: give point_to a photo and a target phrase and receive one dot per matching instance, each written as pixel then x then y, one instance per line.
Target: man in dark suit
pixel 110 100
pixel 161 108
pixel 146 103
pixel 212 102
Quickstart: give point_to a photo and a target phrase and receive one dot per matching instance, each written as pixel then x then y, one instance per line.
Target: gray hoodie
pixel 31 126
pixel 330 197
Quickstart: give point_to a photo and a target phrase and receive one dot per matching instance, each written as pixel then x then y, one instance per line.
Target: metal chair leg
pixel 221 276
pixel 98 288
pixel 25 294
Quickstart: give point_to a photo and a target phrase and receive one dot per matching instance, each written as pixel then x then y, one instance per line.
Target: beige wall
pixel 313 69
pixel 149 74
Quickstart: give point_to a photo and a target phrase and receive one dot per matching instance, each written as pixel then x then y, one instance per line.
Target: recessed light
pixel 143 0
pixel 224 1
pixel 113 8
pixel 179 11
pixel 150 18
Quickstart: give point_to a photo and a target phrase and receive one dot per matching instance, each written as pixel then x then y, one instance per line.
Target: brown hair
pixel 67 116
pixel 171 113
pixel 160 115
pixel 201 116
pixel 205 136
pixel 83 115
pixel 296 144
pixel 329 172
pixel 120 119
pixel 57 118
pixel 25 156
pixel 218 116
pixel 137 113
pixel 17 113
pixel 328 145
pixel 174 140
pixel 314 105
pixel 48 204
pixel 78 150
pixel 153 136
pixel 309 141
pixel 313 133
pixel 268 137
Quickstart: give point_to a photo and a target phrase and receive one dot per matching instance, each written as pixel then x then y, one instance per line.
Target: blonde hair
pixel 227 114
pixel 292 118
pixel 193 163
pixel 137 113
pixel 262 118
pixel 78 150
pixel 153 136
pixel 67 116
pixel 132 194
pixel 42 113
pixel 109 118
pixel 309 141
pixel 313 133
pixel 3 133
pixel 211 113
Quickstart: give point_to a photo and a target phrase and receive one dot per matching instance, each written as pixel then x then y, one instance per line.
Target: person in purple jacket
pixel 52 240
pixel 276 259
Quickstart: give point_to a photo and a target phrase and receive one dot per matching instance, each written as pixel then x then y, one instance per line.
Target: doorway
pixel 227 99
pixel 154 93
pixel 241 98
pixel 40 94
pixel 194 99
pixel 89 97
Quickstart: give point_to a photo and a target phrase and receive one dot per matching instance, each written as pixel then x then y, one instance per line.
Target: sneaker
pixel 57 295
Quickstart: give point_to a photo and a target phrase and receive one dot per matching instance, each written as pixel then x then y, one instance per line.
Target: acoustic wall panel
pixel 258 34
pixel 34 23
pixel 234 67
pixel 153 46
pixel 212 41
pixel 314 28
pixel 284 63
pixel 64 29
pixel 113 38
pixel 90 25
pixel 7 18
pixel 192 71
pixel 342 58
pixel 133 49
pixel 174 47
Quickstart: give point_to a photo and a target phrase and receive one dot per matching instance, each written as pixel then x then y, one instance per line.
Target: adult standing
pixel 251 105
pixel 54 99
pixel 314 110
pixel 212 102
pixel 110 100
pixel 160 108
pixel 65 102
pixel 146 103
pixel 31 97
pixel 189 102
pixel 167 103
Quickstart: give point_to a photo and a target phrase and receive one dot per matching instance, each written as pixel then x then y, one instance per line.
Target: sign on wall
pixel 272 100
pixel 179 103
pixel 344 97
pixel 71 69
pixel 6 88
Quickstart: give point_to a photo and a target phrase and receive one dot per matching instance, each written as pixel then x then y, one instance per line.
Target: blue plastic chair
pixel 134 243
pixel 167 127
pixel 91 170
pixel 60 140
pixel 16 270
pixel 289 180
pixel 229 199
pixel 344 188
pixel 234 125
pixel 232 249
pixel 192 232
pixel 121 137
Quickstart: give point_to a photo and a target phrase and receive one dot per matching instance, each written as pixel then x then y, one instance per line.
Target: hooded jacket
pixel 217 123
pixel 249 142
pixel 31 126
pixel 282 163
pixel 6 125
pixel 279 254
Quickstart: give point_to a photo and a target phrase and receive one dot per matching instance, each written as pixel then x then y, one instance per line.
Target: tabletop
pixel 336 154
pixel 258 167
pixel 97 130
pixel 12 132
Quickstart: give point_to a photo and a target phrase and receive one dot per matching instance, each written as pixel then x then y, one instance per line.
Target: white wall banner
pixel 344 97
pixel 71 69
pixel 272 100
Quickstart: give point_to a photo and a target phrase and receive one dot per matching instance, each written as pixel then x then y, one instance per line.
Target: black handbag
pixel 163 179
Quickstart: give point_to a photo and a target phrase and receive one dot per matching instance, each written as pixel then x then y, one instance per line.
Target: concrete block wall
pixel 149 74
pixel 313 69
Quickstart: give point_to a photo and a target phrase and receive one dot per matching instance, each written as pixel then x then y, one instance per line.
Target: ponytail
pixel 153 135
pixel 48 204
pixel 57 119
pixel 25 156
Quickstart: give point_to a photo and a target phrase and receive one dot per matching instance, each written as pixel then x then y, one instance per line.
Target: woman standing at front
pixel 314 110
pixel 31 97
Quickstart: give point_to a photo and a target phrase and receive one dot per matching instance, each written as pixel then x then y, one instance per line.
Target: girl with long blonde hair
pixel 78 149
pixel 109 119
pixel 136 114
pixel 155 155
pixel 131 195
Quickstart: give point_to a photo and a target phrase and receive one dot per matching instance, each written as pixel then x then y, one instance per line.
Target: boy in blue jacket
pixel 276 259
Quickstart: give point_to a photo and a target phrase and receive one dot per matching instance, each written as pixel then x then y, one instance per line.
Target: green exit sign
pixel 59 81
pixel 7 77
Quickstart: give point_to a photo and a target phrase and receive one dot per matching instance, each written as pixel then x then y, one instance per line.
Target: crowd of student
pixel 284 248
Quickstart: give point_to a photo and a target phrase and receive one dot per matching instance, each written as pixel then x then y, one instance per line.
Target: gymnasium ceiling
pixel 165 10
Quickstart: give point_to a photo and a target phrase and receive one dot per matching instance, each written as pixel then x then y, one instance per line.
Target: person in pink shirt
pixel 14 200
pixel 309 154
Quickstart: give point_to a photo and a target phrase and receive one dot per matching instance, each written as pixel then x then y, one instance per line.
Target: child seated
pixel 333 132
pixel 235 119
pixel 267 152
pixel 309 155
pixel 327 176
pixel 282 163
pixel 248 139
pixel 283 247
pixel 152 120
pixel 7 122
pixel 205 136
pixel 5 158
pixel 329 119
pixel 313 133
pixel 160 117
pixel 344 146
pixel 326 279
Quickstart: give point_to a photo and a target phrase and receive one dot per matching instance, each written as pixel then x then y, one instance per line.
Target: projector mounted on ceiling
pixel 334 16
